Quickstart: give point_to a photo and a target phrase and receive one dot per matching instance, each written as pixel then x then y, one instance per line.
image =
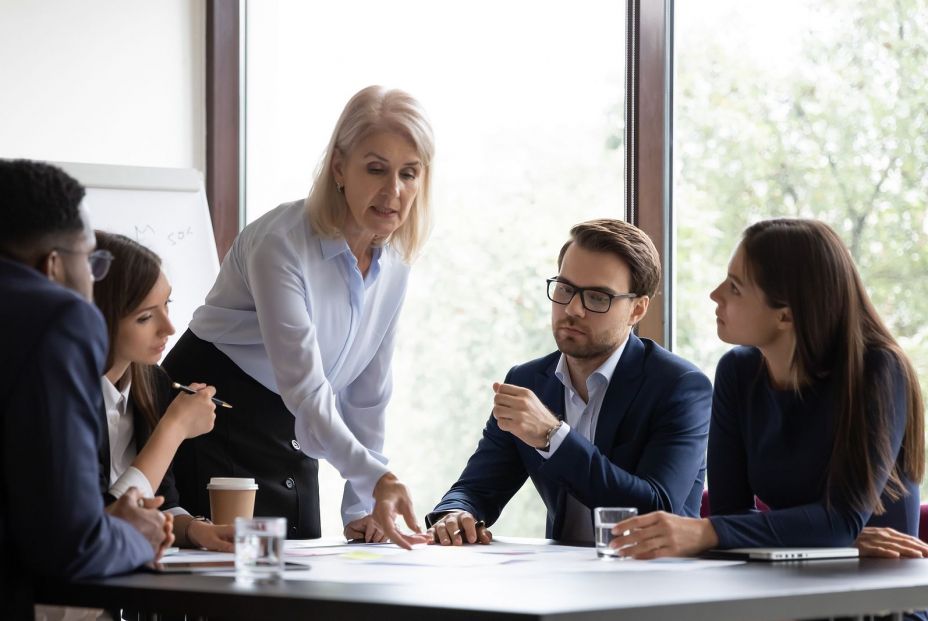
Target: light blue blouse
pixel 292 310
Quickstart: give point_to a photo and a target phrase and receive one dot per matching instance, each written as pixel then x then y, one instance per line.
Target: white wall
pixel 103 81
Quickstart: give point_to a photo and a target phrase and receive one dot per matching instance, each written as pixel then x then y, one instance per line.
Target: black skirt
pixel 253 439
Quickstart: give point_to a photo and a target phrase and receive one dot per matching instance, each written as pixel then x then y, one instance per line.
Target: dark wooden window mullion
pixel 631 110
pixel 223 123
pixel 648 132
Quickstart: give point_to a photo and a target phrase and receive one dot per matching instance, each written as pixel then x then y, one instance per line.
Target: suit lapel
pixel 621 391
pixel 552 390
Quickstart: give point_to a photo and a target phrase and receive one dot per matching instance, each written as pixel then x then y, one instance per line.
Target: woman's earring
pixel 339 187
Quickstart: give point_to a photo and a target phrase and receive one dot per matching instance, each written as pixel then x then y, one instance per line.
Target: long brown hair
pixel 134 272
pixel 803 265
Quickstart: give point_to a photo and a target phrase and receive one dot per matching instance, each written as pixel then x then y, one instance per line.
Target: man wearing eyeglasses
pixel 610 419
pixel 52 519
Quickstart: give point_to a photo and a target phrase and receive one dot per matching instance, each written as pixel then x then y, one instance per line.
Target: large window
pixel 793 108
pixel 527 102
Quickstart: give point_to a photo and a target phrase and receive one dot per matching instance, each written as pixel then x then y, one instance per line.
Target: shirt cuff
pixel 350 516
pixel 132 477
pixel 353 508
pixel 364 485
pixel 175 511
pixel 556 440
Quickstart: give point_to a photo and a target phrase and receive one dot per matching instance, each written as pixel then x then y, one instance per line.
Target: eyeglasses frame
pixel 92 255
pixel 582 290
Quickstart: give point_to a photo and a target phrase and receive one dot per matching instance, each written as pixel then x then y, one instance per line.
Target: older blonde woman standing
pixel 300 328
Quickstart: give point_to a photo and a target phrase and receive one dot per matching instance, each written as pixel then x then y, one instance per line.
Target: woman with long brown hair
pixel 145 422
pixel 817 412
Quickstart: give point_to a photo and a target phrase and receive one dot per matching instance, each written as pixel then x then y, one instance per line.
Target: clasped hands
pixel 457 528
pixel 142 513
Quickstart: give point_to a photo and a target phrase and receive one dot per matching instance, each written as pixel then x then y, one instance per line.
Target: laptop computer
pixel 783 554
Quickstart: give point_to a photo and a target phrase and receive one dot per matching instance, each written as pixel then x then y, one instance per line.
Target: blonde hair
pixel 371 110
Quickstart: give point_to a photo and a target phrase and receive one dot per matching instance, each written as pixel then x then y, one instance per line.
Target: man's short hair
pixel 625 241
pixel 37 201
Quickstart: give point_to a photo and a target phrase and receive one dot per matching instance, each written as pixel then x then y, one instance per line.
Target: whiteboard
pixel 165 209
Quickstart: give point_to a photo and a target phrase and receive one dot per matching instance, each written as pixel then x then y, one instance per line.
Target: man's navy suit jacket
pixel 52 521
pixel 649 451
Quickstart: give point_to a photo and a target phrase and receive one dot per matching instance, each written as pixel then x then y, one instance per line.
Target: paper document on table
pixel 196 556
pixel 359 563
pixel 420 556
pixel 328 544
pixel 359 551
pixel 337 561
pixel 438 556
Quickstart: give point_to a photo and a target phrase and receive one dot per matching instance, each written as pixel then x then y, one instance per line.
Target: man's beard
pixel 594 348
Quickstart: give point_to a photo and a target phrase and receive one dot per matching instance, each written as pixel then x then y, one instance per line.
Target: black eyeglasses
pixel 593 300
pixel 99 261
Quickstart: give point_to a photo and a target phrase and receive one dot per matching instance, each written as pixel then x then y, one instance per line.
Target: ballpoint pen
pixel 191 391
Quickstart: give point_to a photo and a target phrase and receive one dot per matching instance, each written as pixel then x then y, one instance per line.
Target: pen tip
pixel 175 385
pixel 226 405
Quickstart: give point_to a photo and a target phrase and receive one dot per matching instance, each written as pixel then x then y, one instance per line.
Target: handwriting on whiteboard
pixel 173 237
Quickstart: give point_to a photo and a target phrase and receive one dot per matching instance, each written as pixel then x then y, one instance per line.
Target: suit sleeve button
pixel 295 445
pixel 290 483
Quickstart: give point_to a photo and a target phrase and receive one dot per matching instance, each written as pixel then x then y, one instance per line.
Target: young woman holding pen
pixel 817 412
pixel 145 420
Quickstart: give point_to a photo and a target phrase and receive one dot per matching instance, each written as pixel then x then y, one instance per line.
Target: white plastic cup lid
pixel 231 483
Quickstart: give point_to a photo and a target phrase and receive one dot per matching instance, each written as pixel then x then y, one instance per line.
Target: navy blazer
pixel 649 451
pixel 142 431
pixel 52 521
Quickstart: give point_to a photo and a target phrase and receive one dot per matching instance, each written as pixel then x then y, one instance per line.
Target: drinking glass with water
pixel 259 549
pixel 604 518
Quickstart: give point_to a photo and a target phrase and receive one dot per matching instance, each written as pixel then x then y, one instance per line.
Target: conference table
pixel 516 579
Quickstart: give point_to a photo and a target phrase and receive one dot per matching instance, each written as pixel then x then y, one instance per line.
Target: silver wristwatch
pixel 549 435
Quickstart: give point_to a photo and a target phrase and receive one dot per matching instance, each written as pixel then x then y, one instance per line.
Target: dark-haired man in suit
pixel 52 519
pixel 609 419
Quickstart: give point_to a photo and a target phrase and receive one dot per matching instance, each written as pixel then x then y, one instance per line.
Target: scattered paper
pixel 389 564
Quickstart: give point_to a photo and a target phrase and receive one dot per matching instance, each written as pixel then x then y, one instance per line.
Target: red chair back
pixel 923 523
pixel 705 511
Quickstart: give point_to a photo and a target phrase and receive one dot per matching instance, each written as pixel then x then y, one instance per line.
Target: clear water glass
pixel 604 518
pixel 259 549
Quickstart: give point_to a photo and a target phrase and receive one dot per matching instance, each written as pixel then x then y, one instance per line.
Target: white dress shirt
pixel 293 311
pixel 582 416
pixel 121 429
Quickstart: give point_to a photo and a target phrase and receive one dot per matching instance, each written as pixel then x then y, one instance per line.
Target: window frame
pixel 648 146
pixel 224 119
pixel 648 106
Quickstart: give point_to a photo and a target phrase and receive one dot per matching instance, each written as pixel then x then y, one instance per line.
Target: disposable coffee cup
pixel 231 497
